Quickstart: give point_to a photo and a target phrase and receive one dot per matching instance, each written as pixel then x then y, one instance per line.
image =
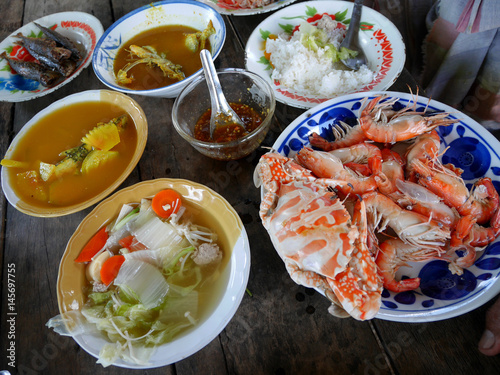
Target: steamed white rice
pixel 311 73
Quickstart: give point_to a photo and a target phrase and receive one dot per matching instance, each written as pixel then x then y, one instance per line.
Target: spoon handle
pixel 353 28
pixel 214 86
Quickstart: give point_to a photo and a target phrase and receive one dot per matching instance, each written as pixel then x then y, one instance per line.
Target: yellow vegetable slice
pixel 103 137
pixel 14 163
pixel 47 171
pixel 96 158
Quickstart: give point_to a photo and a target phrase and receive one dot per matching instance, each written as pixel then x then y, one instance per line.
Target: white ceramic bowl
pixel 171 12
pixel 208 206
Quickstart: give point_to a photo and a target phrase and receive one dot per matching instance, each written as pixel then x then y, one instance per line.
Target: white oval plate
pixel 83 28
pixel 235 10
pixel 468 146
pixel 381 41
pixel 205 203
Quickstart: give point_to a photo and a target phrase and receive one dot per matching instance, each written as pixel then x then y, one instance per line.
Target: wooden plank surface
pixel 282 328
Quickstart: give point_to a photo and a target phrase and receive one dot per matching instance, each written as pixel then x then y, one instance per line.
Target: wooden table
pixel 282 329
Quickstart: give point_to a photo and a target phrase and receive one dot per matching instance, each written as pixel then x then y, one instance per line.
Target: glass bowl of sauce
pixel 247 93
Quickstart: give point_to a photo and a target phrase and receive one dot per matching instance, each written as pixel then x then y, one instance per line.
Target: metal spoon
pixel 351 40
pixel 222 113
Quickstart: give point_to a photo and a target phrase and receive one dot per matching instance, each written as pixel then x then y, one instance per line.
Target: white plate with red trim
pixel 381 41
pixel 82 28
pixel 232 8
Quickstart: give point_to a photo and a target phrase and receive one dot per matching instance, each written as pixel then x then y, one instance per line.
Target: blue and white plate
pixel 468 146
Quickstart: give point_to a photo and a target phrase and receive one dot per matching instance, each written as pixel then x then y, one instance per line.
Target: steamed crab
pixel 321 244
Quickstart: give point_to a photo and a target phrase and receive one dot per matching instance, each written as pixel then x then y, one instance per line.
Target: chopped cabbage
pixel 315 38
pixel 153 298
pixel 145 280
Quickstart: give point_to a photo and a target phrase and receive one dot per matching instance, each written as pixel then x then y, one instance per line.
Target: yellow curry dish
pixel 73 154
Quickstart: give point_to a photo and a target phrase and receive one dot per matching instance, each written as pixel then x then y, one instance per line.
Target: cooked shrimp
pixel 389 127
pixel 393 254
pixel 468 232
pixel 392 171
pixel 411 227
pixel 425 147
pixel 482 201
pixel 363 158
pixel 345 136
pixel 326 165
pixel 442 182
pixel 415 197
pixel 358 153
pixel 362 169
pixel 460 257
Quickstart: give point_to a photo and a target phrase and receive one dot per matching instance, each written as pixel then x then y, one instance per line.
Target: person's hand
pixel 490 341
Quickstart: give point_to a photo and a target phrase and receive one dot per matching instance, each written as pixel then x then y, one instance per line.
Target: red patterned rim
pixel 89 30
pixel 387 59
pixel 22 53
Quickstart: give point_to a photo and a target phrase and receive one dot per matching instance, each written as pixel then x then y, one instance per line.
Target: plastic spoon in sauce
pixel 222 113
pixel 351 39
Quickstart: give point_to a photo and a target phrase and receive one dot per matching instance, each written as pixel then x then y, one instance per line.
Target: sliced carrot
pixel 110 268
pixel 92 247
pixel 166 203
pixel 131 243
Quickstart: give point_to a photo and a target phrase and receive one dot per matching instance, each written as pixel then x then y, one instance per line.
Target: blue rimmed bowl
pixel 467 145
pixel 170 12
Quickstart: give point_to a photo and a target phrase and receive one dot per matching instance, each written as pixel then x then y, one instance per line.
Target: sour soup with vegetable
pixel 161 56
pixel 154 273
pixel 67 158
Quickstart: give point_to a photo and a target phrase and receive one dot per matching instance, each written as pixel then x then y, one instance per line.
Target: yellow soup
pixel 60 131
pixel 169 40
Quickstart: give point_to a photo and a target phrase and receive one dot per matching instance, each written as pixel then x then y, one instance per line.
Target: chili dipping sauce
pixel 251 119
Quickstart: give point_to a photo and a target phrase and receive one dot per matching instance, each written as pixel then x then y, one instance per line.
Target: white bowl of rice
pixel 296 50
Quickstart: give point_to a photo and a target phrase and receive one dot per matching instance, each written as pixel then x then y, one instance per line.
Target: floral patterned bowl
pixel 380 39
pixel 82 28
pixel 170 12
pixel 467 145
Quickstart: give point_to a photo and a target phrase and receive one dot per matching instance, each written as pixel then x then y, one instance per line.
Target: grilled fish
pixel 44 47
pixel 65 67
pixel 32 70
pixel 62 40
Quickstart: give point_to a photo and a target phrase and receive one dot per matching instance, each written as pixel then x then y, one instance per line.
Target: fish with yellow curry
pixel 46 173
